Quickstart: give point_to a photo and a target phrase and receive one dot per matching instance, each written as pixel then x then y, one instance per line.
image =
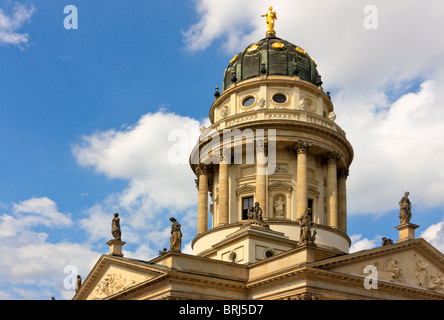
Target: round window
pixel 248 101
pixel 268 254
pixel 279 98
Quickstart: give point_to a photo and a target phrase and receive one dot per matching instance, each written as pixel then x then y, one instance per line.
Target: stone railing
pixel 276 114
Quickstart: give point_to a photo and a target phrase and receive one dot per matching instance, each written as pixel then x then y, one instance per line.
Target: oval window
pixel 279 98
pixel 248 101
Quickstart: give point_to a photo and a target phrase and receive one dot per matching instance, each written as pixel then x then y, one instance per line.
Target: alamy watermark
pixel 70 281
pixel 371 280
pixel 71 21
pixel 371 18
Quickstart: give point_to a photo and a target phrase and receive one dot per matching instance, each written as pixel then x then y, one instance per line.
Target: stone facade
pixel 274 142
pixel 411 269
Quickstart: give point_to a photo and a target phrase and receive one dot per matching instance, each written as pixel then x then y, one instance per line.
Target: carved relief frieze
pixel 112 283
pixel 305 296
pixel 282 115
pixel 280 169
pixel 242 119
pixel 411 269
pixel 390 270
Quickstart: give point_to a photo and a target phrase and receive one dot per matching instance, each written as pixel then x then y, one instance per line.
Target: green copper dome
pixel 271 56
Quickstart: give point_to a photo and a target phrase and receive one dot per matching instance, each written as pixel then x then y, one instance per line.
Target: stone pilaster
pixel 332 188
pixel 225 160
pixel 261 176
pixel 342 199
pixel 301 150
pixel 202 200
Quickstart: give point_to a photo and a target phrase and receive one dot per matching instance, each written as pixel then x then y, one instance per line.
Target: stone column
pixel 342 199
pixel 332 188
pixel 202 200
pixel 261 177
pixel 225 159
pixel 301 149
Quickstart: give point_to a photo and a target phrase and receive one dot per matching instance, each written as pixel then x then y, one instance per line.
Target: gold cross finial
pixel 271 17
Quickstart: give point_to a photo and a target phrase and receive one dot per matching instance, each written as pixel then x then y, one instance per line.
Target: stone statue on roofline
pixel 405 211
pixel 78 283
pixel 271 17
pixel 115 227
pixel 176 236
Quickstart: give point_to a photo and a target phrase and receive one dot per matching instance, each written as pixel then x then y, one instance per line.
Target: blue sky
pixel 85 117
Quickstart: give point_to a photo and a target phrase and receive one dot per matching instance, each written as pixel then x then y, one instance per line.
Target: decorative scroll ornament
pixel 314 62
pixel 300 50
pixel 277 45
pixel 253 48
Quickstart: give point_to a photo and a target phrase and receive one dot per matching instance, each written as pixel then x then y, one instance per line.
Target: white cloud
pixel 396 150
pixel 153 156
pixel 29 258
pixel 140 154
pixel 10 24
pixel 359 243
pixel 435 235
pixel 30 213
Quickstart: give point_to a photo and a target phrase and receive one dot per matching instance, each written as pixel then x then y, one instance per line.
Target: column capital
pixel 343 173
pixel 202 169
pixel 333 157
pixel 302 146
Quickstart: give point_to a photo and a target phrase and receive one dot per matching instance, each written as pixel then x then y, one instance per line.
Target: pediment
pixel 245 189
pixel 413 263
pixel 280 186
pixel 112 275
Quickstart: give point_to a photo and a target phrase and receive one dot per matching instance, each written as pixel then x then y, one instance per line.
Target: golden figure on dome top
pixel 271 17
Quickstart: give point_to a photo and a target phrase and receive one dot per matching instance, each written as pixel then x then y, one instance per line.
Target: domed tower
pixel 272 141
